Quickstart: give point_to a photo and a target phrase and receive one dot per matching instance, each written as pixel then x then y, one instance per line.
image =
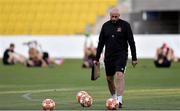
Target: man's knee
pixel 109 79
pixel 119 75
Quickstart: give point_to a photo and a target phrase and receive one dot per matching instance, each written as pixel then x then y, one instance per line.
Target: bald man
pixel 116 35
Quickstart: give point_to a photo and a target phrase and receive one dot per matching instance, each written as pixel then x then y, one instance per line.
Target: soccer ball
pixel 48 105
pixel 86 101
pixel 80 94
pixel 112 104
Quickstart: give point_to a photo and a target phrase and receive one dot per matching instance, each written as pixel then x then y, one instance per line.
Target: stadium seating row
pixel 50 16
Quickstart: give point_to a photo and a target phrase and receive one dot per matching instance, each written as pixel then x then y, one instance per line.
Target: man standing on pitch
pixel 115 35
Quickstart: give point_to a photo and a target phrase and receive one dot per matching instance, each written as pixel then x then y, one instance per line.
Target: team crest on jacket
pixel 119 29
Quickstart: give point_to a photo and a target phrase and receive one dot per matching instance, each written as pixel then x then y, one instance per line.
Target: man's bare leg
pixel 111 86
pixel 120 84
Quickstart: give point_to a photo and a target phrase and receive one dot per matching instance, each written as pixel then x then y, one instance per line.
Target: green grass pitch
pixel 147 87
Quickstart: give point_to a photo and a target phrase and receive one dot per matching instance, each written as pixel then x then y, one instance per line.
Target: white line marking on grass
pixel 27 96
pixel 39 90
pixel 47 90
pixel 154 90
pixel 85 88
pixel 28 93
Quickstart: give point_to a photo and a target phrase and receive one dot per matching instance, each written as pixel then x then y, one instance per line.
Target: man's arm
pixel 132 45
pixel 157 54
pixel 100 44
pixel 131 42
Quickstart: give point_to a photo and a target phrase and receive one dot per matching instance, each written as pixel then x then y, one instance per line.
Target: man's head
pixel 165 45
pixel 11 46
pixel 114 15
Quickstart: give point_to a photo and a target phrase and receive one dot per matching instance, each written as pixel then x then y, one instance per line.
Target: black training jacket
pixel 116 37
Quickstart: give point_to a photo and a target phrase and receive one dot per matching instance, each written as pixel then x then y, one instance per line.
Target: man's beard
pixel 113 21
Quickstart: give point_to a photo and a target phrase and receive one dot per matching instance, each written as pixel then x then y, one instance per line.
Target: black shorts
pixel 46 57
pixel 165 63
pixel 36 63
pixel 115 64
pixel 5 62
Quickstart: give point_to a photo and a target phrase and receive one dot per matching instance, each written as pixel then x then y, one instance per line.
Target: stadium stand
pixel 38 17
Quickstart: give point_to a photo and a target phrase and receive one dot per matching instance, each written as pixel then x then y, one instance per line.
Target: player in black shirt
pixel 115 35
pixel 11 57
pixel 8 59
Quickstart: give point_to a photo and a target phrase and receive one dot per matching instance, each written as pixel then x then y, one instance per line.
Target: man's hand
pixel 95 62
pixel 134 63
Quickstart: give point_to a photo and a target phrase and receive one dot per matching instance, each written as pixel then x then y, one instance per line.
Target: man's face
pixel 114 17
pixel 12 47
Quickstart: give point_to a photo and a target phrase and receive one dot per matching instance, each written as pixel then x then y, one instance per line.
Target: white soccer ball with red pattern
pixel 112 104
pixel 80 94
pixel 48 105
pixel 86 101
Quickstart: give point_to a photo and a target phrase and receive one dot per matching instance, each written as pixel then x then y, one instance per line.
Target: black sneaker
pixel 120 105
